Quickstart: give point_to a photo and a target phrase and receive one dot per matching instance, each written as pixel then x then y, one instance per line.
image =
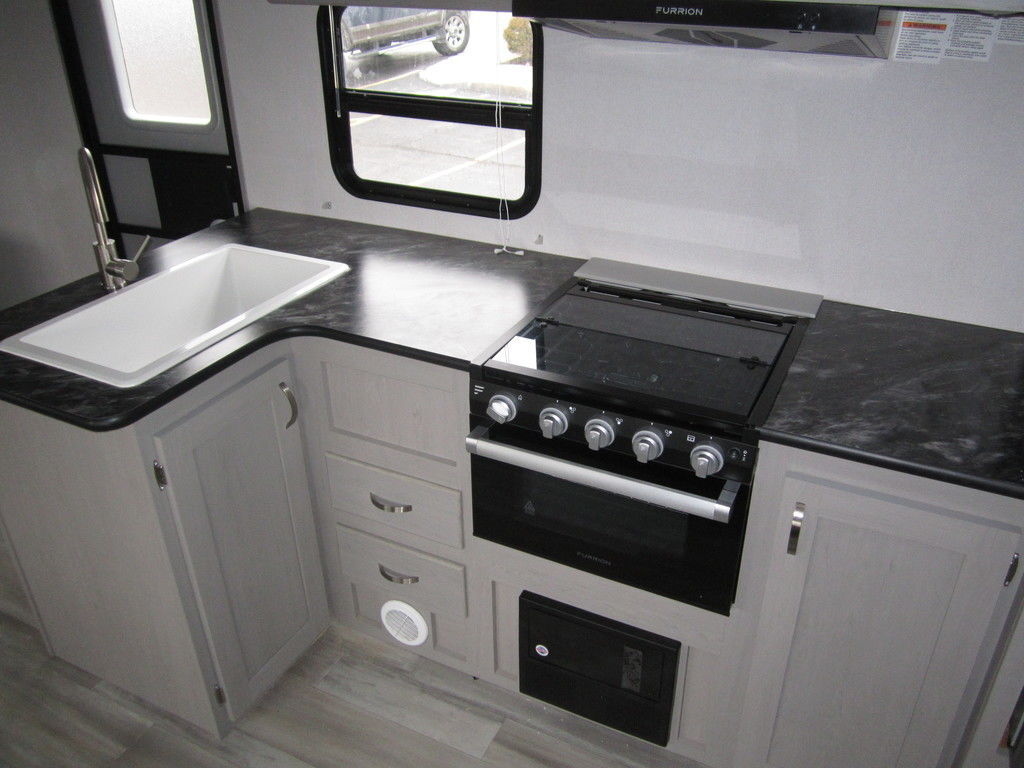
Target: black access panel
pixel 609 672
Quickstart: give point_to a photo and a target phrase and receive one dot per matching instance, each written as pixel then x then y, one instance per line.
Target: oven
pixel 657 528
pixel 616 433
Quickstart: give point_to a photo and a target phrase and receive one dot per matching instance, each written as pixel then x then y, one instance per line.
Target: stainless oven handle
pixel 679 501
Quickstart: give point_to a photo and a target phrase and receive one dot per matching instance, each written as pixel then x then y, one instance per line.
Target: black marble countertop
pixel 437 299
pixel 931 397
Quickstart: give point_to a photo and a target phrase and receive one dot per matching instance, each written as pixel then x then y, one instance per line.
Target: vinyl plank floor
pixel 397 696
pixel 50 719
pixel 352 701
pixel 519 746
pixel 160 748
pixel 325 731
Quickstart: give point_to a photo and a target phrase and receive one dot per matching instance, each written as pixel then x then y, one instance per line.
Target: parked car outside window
pixel 368 30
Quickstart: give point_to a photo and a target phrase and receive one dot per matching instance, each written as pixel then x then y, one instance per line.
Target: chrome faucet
pixel 115 271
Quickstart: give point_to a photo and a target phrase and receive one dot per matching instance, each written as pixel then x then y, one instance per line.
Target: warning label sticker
pixel 972 37
pixel 1011 30
pixel 929 37
pixel 923 36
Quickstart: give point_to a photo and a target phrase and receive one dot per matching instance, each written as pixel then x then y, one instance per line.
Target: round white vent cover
pixel 403 622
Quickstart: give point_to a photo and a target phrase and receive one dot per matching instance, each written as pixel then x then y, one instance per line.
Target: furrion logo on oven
pixel 673 10
pixel 593 558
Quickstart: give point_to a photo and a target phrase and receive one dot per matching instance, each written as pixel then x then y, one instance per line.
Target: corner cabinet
pixel 883 598
pixel 194 596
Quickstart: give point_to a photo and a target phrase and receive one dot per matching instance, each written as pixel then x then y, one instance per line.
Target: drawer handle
pixel 395 577
pixel 795 525
pixel 389 506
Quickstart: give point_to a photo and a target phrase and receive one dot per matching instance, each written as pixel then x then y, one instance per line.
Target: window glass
pixel 438 155
pixel 434 107
pixel 158 60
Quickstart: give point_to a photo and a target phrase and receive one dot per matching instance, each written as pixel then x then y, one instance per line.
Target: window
pixel 435 108
pixel 158 60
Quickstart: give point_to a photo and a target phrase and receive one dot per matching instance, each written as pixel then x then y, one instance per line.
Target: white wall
pixel 889 184
pixel 45 236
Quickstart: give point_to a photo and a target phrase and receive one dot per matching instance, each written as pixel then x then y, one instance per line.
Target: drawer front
pixel 436 584
pixel 398 501
pixel 406 405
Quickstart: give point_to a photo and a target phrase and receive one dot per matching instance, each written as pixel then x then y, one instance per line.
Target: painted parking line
pixel 362 120
pixel 468 163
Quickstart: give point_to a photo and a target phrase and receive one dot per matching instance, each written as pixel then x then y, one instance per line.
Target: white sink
pixel 128 337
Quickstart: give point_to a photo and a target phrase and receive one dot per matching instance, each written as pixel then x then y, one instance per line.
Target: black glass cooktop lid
pixel 708 360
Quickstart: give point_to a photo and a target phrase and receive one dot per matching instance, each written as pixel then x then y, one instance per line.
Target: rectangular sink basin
pixel 127 337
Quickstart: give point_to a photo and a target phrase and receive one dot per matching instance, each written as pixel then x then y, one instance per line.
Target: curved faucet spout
pixel 116 272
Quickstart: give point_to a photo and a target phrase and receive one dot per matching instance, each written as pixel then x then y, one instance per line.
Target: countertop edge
pixel 998 487
pixel 130 417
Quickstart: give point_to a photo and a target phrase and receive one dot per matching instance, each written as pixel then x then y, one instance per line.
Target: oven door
pixel 651 526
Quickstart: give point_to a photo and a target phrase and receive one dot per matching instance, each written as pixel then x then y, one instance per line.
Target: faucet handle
pixel 126 269
pixel 142 248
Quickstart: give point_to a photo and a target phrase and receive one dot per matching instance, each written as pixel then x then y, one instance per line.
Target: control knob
pixel 599 433
pixel 501 408
pixel 647 445
pixel 553 421
pixel 706 459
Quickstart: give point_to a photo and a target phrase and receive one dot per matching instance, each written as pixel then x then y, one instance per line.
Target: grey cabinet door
pixel 239 497
pixel 872 627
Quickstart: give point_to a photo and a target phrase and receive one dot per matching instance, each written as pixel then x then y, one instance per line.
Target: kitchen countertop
pixel 930 397
pixel 433 298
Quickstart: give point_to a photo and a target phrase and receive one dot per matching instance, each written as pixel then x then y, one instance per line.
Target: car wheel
pixel 454 35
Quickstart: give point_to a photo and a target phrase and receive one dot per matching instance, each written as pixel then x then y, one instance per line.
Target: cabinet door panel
pixel 243 483
pixel 239 497
pixel 871 630
pixel 871 611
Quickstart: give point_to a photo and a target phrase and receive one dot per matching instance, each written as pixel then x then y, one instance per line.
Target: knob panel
pixel 599 433
pixel 501 408
pixel 553 421
pixel 647 445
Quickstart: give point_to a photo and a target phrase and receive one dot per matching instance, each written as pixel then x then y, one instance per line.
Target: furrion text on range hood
pixel 845 30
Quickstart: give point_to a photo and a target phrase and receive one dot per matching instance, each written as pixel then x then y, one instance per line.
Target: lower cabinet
pixel 196 595
pixel 180 559
pixel 387 456
pixel 883 597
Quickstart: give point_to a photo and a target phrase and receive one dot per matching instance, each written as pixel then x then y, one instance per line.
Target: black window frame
pixel 338 105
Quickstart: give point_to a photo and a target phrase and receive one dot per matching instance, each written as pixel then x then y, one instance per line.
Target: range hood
pixel 846 30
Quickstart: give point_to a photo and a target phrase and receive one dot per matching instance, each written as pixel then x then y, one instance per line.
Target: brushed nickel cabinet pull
pixel 395 577
pixel 795 525
pixel 1012 570
pixel 291 402
pixel 389 506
